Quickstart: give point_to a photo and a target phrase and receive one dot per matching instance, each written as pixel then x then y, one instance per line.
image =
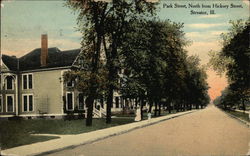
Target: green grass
pixel 241 115
pixel 18 132
pixel 23 139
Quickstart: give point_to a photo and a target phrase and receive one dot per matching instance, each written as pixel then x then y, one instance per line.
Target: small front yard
pixel 18 132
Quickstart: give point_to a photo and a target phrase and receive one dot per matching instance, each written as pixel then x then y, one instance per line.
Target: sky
pixel 204 30
pixel 23 22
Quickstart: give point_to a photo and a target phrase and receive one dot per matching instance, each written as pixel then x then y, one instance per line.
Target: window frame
pixel 70 82
pixel 12 83
pixel 73 101
pixel 13 101
pixel 28 81
pixel 23 82
pixel 28 102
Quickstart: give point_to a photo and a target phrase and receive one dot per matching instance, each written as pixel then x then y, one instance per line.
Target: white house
pixel 32 85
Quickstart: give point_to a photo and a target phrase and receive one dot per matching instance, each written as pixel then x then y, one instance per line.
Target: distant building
pixel 32 85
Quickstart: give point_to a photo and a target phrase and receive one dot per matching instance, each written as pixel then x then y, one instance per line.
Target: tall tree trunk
pixel 150 105
pixel 243 105
pixel 155 113
pixel 159 111
pixel 136 102
pixel 112 67
pixel 92 95
pixel 109 104
pixel 177 107
pixel 89 102
pixel 197 105
pixel 190 106
pixel 110 93
pixel 141 105
pixel 169 106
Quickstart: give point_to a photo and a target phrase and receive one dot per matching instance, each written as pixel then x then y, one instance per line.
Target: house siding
pixel 46 92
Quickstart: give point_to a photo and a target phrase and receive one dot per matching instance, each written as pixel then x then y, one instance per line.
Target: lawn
pixel 243 116
pixel 18 132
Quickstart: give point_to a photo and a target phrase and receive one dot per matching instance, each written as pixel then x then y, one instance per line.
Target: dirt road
pixel 206 132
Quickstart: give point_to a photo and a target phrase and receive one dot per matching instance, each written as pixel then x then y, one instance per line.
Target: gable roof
pixel 56 58
pixel 10 62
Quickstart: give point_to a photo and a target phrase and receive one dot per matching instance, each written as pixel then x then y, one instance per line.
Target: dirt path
pixel 206 132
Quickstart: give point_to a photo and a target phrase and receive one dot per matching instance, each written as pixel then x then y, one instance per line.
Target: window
pixel 25 103
pixel 117 102
pixel 9 81
pixel 28 103
pixel 81 101
pixel 25 82
pixel 69 101
pixel 28 81
pixel 10 103
pixel 1 103
pixel 70 84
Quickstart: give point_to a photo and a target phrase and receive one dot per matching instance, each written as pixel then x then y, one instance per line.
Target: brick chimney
pixel 44 50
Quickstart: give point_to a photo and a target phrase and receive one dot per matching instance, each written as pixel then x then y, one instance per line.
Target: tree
pixel 235 57
pixel 122 12
pixel 103 24
pixel 90 21
pixel 158 66
pixel 227 100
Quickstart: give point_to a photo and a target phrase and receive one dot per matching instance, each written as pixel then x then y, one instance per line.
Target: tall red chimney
pixel 44 50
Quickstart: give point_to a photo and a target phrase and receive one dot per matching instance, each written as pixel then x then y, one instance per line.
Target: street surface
pixel 207 132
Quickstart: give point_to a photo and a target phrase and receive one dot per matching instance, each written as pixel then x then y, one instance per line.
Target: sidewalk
pixel 70 141
pixel 237 110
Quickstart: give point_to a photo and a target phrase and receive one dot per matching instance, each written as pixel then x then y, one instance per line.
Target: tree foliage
pixel 158 67
pixel 123 35
pixel 236 49
pixel 103 25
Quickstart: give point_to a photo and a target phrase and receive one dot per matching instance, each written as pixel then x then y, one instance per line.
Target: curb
pixel 108 136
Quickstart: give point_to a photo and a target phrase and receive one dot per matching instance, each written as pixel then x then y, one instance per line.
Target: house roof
pixel 56 58
pixel 10 62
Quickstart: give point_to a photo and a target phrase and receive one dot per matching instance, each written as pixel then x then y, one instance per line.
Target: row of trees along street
pixel 125 35
pixel 234 61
